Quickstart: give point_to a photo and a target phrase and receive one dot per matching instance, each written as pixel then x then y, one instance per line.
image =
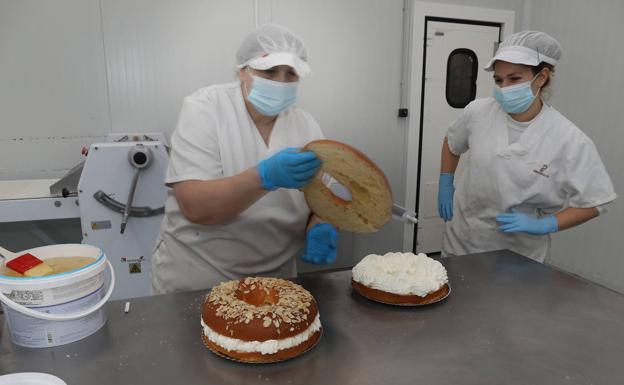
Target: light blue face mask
pixel 270 97
pixel 517 98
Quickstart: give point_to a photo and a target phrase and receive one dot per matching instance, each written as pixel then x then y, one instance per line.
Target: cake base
pixel 259 358
pixel 401 300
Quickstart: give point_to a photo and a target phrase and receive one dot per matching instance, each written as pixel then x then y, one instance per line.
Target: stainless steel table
pixel 508 320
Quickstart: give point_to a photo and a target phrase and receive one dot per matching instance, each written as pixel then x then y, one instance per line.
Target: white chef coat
pixel 216 138
pixel 552 165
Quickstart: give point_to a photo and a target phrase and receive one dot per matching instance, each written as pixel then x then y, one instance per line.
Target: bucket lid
pixel 30 378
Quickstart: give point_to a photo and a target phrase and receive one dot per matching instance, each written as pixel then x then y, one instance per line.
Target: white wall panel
pixel 588 89
pixel 158 52
pixel 52 85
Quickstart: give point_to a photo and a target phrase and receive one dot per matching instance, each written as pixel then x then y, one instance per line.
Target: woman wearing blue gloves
pixel 233 209
pixel 531 172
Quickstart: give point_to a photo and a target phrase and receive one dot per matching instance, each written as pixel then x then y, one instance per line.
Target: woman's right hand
pixel 289 168
pixel 445 195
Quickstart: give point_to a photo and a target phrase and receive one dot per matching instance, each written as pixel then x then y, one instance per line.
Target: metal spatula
pixel 399 213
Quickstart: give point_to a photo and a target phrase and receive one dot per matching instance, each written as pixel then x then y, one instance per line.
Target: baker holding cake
pixel 236 165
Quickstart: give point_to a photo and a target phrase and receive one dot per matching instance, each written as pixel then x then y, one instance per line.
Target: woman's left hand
pixel 518 222
pixel 321 246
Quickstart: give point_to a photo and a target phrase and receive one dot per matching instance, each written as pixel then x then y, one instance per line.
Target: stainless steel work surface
pixel 508 320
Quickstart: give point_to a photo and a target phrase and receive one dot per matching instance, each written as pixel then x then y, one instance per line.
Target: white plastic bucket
pixel 61 308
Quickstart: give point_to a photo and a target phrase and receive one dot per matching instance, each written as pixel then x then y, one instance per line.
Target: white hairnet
pixel 527 47
pixel 271 45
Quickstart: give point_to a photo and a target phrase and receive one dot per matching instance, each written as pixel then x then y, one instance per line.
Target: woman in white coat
pixel 530 172
pixel 235 168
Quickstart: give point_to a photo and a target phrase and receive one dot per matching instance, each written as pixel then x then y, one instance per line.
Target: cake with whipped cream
pixel 260 320
pixel 401 279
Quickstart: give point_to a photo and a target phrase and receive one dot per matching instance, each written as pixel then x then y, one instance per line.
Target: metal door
pixel 455 54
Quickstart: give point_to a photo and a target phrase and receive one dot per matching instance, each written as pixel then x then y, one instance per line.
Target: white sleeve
pixel 459 132
pixel 587 183
pixel 194 145
pixel 602 209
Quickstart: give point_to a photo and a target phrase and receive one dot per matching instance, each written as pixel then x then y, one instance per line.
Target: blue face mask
pixel 270 97
pixel 517 98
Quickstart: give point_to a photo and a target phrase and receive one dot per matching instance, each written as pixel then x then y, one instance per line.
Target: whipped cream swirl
pixel 401 273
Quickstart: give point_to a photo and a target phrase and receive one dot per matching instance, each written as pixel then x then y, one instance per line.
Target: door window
pixel 461 77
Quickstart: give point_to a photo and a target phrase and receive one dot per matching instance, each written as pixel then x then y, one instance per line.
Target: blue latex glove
pixel 321 246
pixel 289 168
pixel 519 222
pixel 445 195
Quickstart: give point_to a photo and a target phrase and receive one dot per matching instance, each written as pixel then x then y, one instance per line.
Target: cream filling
pixel 264 347
pixel 401 273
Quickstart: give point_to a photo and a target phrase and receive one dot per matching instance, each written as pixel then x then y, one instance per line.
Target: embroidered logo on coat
pixel 542 170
